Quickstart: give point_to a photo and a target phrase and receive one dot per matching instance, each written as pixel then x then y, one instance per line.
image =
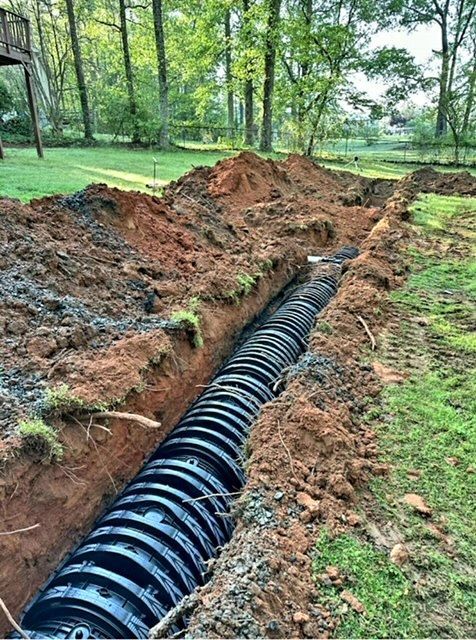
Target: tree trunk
pixel 470 99
pixel 441 120
pixel 128 71
pixel 241 112
pixel 269 68
pixel 49 96
pixel 162 69
pixel 78 65
pixel 230 100
pixel 249 115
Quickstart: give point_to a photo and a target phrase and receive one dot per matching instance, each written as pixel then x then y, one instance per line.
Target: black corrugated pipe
pixel 150 548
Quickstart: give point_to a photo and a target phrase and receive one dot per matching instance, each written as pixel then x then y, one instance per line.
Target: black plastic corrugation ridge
pixel 151 547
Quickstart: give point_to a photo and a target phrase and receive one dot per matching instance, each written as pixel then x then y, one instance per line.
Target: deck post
pixel 33 110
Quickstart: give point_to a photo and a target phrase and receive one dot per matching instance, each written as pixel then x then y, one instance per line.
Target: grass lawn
pixel 24 176
pixel 427 435
pixel 63 170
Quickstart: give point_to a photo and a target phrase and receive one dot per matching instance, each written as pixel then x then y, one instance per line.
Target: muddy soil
pixel 90 285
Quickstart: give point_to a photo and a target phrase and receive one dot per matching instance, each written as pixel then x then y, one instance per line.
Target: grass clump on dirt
pixel 247 281
pixel 381 587
pixel 61 399
pixel 191 322
pixel 40 439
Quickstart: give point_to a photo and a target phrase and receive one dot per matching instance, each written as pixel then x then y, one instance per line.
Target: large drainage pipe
pixel 150 548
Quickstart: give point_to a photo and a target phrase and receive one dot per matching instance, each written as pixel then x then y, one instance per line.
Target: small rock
pixel 273 625
pixel 311 507
pixel 333 573
pixel 353 519
pixel 399 554
pixel 416 502
pixel 300 618
pixel 454 462
pixel 351 600
pixel 279 495
pixel 41 347
pixel 17 327
pixel 388 375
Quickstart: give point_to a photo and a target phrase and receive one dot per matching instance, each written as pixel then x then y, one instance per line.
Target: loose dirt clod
pixel 417 502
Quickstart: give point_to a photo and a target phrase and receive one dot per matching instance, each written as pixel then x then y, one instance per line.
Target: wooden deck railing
pixel 14 33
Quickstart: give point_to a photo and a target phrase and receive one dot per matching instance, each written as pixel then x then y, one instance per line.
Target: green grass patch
pixel 444 291
pixel 434 418
pixel 433 430
pixel 66 170
pixel 433 212
pixel 378 584
pixel 378 168
pixel 40 439
pixel 427 426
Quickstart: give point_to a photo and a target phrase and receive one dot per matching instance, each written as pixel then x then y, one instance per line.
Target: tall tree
pixel 230 98
pixel 128 71
pixel 162 72
pixel 324 43
pixel 468 111
pixel 248 89
pixel 78 66
pixel 455 20
pixel 269 71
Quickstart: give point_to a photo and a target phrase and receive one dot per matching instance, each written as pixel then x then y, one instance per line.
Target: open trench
pixel 152 546
pixel 100 463
pixel 64 499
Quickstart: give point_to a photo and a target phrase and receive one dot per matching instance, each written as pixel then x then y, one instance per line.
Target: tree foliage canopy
pixel 231 64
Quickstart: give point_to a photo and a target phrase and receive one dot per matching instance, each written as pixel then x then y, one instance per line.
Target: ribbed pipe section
pixel 150 548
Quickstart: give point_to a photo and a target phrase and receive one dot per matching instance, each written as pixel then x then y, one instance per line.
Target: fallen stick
pixel 12 620
pixel 10 533
pixel 186 605
pixel 132 417
pixel 368 332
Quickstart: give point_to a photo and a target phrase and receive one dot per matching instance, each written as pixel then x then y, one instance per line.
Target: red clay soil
pixel 89 285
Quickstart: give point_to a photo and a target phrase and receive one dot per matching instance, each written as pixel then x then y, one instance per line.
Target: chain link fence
pixel 386 149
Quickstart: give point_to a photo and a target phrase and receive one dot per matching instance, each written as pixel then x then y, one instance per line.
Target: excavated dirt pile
pixel 82 272
pixel 107 297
